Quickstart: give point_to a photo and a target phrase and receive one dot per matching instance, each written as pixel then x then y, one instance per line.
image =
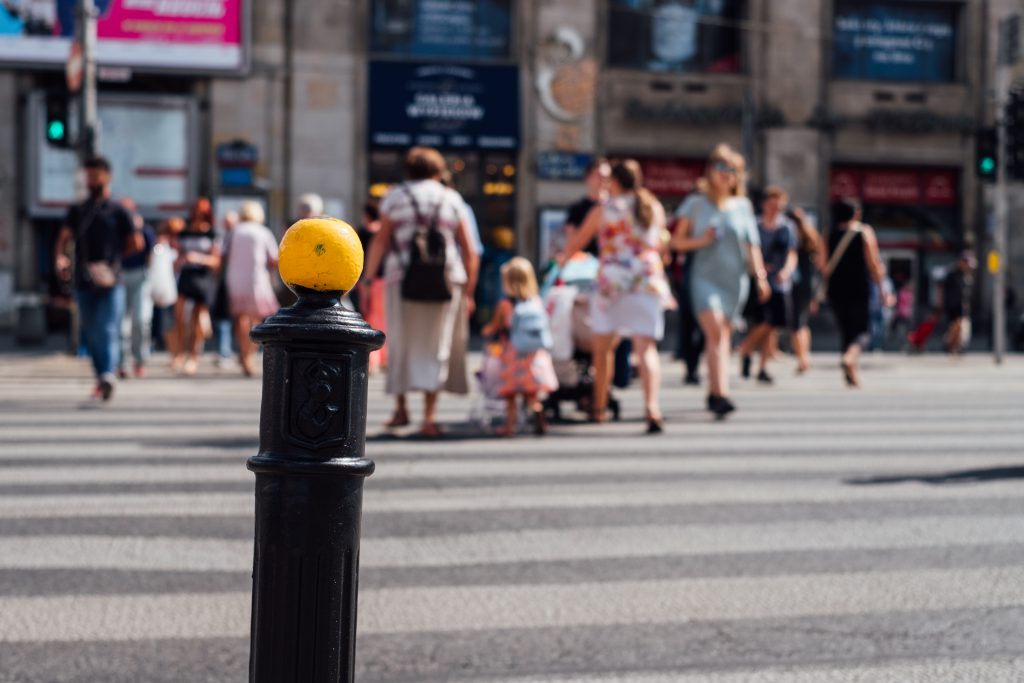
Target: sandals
pixel 850 375
pixel 431 431
pixel 399 419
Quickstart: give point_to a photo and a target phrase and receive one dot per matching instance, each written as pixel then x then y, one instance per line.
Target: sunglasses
pixel 723 167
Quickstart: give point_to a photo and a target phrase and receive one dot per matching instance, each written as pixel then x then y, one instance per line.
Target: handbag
pixel 100 274
pixel 833 261
pixel 426 275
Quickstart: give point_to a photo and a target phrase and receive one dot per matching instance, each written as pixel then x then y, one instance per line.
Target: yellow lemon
pixel 323 254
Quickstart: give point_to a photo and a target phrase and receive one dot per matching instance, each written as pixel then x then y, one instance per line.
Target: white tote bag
pixel 162 282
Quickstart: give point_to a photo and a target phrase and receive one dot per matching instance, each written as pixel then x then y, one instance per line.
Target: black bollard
pixel 309 487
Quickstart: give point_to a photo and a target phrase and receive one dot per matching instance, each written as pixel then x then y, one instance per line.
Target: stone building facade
pixel 880 99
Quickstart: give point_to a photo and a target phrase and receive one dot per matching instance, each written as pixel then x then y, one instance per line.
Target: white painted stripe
pixel 535 545
pixel 454 469
pixel 989 670
pixel 508 497
pixel 478 608
pixel 540 545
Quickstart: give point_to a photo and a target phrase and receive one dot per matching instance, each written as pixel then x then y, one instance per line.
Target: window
pixel 460 29
pixel 895 41
pixel 675 35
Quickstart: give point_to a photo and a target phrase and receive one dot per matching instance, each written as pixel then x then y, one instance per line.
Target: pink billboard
pixel 185 35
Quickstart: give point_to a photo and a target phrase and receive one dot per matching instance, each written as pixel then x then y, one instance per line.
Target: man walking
pixel 103 233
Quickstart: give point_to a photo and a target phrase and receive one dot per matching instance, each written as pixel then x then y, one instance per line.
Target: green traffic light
pixel 987 165
pixel 55 130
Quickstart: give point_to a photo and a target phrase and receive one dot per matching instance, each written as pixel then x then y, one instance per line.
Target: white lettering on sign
pixel 428 105
pixel 204 9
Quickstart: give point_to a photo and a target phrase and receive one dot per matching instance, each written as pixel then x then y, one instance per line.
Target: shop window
pixel 702 36
pixel 460 29
pixel 895 41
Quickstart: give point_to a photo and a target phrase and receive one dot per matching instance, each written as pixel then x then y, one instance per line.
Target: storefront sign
pixel 895 41
pixel 671 177
pixel 236 161
pixel 874 185
pixel 675 35
pixel 444 105
pixel 187 35
pixel 562 165
pixel 441 28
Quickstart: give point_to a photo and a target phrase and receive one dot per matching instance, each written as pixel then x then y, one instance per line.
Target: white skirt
pixel 426 344
pixel 629 315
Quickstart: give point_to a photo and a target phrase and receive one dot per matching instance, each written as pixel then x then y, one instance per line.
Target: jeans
pixel 222 331
pixel 139 316
pixel 100 313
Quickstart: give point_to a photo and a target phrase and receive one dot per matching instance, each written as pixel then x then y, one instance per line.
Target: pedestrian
pixel 311 205
pixel 164 284
pixel 632 290
pixel 957 289
pixel 250 254
pixel 431 270
pixel 220 310
pixel 103 233
pixel 137 332
pixel 372 305
pixel 780 255
pixel 718 226
pixel 854 263
pixel 198 261
pixel 598 175
pixel 810 261
pixel 522 328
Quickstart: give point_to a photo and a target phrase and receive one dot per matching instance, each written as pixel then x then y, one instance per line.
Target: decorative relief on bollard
pixel 311 465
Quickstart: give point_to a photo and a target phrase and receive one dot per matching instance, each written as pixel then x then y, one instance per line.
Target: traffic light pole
pixel 87 112
pixel 999 238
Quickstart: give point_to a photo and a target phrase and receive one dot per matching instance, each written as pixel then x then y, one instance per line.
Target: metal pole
pixel 999 238
pixel 309 487
pixel 87 112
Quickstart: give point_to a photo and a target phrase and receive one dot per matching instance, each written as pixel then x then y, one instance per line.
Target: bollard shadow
pixel 960 477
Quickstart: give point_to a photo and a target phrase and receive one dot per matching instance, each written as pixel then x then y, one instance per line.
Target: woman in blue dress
pixel 718 226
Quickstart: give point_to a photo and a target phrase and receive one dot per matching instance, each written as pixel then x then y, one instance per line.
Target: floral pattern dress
pixel 630 254
pixel 529 375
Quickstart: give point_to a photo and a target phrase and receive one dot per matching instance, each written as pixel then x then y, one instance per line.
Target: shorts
pixel 198 285
pixel 777 311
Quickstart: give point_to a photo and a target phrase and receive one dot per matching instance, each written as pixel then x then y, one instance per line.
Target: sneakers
pixel 105 388
pixel 764 378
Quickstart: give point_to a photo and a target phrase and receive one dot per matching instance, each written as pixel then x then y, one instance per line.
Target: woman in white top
pixel 250 253
pixel 421 334
pixel 632 290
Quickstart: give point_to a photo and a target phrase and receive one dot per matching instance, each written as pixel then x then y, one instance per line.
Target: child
pixel 520 322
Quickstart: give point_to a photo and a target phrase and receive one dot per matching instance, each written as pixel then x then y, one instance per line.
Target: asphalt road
pixel 821 535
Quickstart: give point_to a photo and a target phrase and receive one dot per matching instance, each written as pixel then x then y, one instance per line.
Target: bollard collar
pixel 318 317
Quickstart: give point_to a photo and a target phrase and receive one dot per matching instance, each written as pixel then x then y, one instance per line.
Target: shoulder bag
pixel 834 260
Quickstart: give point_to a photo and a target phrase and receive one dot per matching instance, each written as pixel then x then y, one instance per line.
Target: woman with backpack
pixel 521 324
pixel 430 269
pixel 632 290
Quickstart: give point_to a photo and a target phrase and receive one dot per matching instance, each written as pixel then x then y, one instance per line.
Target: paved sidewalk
pixel 820 535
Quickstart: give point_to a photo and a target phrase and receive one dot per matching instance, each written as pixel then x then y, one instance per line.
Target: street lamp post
pixel 87 112
pixel 309 481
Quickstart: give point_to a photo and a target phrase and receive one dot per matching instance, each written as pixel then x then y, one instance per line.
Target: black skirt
pixel 198 285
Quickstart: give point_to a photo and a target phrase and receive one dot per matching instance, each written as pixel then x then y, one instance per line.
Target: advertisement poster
pixel 676 35
pixel 895 41
pixel 201 35
pixel 469 29
pixel 447 106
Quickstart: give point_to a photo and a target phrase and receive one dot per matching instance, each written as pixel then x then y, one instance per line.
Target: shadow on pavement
pixel 961 477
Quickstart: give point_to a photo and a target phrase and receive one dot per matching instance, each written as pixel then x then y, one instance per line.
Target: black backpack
pixel 425 279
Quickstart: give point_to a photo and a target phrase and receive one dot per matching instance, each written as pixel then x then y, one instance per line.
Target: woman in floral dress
pixel 632 292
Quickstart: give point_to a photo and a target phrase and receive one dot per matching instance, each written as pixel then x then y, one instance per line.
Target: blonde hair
pixel 723 152
pixel 251 211
pixel 519 280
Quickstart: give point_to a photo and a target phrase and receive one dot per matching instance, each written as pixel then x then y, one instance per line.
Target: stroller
pixel 567 297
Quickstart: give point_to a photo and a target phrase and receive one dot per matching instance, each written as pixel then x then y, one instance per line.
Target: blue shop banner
pixel 895 41
pixel 447 106
pixel 463 29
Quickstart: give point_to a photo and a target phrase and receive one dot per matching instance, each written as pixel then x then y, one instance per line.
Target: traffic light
pixel 57 130
pixel 1014 120
pixel 986 154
